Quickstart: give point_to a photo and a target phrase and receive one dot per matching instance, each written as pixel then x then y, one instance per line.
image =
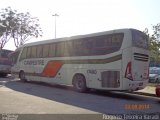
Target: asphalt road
pixel 38 98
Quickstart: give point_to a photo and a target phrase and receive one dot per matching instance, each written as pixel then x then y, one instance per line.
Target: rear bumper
pixel 5 71
pixel 135 85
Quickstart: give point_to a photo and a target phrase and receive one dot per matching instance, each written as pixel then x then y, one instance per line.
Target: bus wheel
pixel 157 80
pixel 22 76
pixel 79 83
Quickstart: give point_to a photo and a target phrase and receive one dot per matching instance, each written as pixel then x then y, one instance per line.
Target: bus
pixel 110 60
pixel 5 62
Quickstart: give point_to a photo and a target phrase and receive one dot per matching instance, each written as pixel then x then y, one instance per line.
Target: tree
pixel 3 36
pixel 5 26
pixel 154 43
pixel 19 26
pixel 25 29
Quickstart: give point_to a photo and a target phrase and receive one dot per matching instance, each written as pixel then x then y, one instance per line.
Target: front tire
pixel 22 76
pixel 79 83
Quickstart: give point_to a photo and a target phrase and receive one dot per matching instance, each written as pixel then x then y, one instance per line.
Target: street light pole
pixel 55 15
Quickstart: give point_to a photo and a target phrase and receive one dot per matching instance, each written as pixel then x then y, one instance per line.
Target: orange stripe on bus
pixel 52 68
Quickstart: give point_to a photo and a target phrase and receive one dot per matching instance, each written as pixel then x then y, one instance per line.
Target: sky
pixel 79 17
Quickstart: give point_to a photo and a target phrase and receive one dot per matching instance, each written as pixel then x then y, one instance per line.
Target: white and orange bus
pixel 111 60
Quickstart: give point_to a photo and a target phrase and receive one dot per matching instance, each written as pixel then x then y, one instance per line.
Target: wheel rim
pixel 79 82
pixel 22 76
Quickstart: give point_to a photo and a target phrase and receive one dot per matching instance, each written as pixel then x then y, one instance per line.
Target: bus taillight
pixel 128 73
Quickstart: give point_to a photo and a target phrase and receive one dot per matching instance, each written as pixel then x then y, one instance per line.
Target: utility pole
pixel 55 15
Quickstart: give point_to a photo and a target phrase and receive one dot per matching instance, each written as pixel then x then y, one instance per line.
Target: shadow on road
pixel 99 101
pixel 112 94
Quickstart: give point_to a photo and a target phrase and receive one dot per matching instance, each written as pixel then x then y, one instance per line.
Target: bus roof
pixel 75 37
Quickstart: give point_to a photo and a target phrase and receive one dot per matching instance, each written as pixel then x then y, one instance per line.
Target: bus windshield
pixel 14 56
pixel 4 53
pixel 139 39
pixel 4 58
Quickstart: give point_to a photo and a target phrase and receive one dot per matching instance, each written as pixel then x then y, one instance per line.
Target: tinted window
pixel 97 45
pixel 39 51
pixel 60 49
pixel 89 46
pixel 33 52
pixel 139 39
pixel 24 54
pixel 29 52
pixel 52 50
pixel 156 71
pixel 82 47
pixel 107 44
pixel 45 50
pixel 14 57
pixel 69 51
pixel 4 53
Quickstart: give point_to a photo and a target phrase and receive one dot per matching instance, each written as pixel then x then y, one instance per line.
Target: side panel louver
pixel 141 57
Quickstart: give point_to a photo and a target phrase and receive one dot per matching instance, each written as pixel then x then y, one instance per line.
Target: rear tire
pixel 79 83
pixel 157 80
pixel 22 76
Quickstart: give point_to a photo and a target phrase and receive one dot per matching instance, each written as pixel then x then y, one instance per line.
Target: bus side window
pixel 82 47
pixel 52 50
pixel 117 41
pixel 78 50
pixel 39 51
pixel 99 45
pixel 24 54
pixel 33 52
pixel 68 48
pixel 28 52
pixel 87 47
pixel 60 49
pixel 46 50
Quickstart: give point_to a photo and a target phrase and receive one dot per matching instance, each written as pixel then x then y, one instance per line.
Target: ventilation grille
pixel 141 57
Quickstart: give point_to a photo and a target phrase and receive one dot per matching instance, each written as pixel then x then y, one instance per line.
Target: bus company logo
pixel 92 71
pixel 34 62
pixel 9 117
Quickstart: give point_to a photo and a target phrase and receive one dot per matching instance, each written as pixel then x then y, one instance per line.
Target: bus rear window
pixel 139 39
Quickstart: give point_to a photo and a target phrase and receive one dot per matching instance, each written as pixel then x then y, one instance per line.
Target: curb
pixel 146 94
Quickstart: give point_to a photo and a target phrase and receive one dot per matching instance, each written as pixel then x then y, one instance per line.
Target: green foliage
pixel 154 43
pixel 19 26
pixel 5 32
